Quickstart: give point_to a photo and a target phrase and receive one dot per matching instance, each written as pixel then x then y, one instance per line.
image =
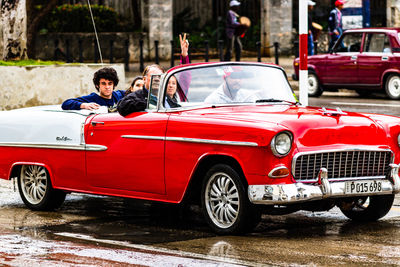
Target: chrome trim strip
pixel 144 137
pixel 56 146
pixel 210 141
pixel 192 140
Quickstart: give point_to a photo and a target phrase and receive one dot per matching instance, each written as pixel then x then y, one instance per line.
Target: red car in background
pixel 365 60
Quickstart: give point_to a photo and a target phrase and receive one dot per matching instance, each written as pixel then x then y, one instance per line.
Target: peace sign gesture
pixel 184 45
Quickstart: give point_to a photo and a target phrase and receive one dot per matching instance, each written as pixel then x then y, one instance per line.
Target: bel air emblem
pixel 63 138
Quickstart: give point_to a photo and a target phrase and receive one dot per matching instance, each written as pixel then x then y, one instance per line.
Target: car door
pixel 374 59
pixel 341 64
pixel 134 158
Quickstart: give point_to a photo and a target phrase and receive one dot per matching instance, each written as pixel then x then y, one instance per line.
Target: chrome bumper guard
pixel 300 192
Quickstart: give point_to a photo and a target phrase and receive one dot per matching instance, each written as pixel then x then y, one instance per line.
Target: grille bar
pixel 342 165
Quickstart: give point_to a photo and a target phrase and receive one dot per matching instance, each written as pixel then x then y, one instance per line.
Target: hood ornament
pixel 337 112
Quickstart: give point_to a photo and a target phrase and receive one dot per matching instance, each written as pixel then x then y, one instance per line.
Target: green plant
pixel 77 18
pixel 29 62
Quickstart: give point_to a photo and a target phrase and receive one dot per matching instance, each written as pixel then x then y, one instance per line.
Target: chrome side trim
pixel 192 140
pixel 55 146
pixel 144 137
pixel 281 194
pixel 210 141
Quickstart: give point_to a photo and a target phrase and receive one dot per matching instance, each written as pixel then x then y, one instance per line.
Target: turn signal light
pixel 279 172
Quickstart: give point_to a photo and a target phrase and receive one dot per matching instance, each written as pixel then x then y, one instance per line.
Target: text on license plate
pixel 356 187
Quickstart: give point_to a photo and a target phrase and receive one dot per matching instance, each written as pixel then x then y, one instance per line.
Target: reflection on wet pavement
pixel 113 231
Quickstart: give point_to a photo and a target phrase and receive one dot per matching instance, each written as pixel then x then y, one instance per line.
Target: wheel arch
pixel 386 74
pixel 193 189
pixel 16 169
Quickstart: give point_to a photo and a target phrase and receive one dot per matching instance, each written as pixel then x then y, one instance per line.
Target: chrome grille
pixel 342 165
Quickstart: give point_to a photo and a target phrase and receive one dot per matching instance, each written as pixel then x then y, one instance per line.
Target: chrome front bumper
pixel 299 192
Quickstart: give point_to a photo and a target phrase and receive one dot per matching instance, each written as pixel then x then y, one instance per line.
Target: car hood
pixel 311 126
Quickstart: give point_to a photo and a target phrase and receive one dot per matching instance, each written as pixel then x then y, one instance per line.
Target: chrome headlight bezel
pixel 281 143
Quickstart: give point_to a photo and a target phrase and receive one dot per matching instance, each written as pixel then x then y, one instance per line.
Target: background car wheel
pixel 314 87
pixel 367 209
pixel 392 86
pixel 225 204
pixel 36 191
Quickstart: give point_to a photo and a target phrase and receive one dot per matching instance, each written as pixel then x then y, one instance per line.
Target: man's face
pixel 233 84
pixel 106 88
pixel 147 78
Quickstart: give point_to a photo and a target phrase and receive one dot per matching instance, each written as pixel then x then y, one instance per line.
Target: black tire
pixel 225 203
pixel 367 209
pixel 314 86
pixel 35 189
pixel 392 86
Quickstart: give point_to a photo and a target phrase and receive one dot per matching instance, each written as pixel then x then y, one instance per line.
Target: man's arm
pixel 83 102
pixel 133 102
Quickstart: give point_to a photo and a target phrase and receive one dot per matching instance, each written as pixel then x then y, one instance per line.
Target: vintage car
pixel 238 144
pixel 365 60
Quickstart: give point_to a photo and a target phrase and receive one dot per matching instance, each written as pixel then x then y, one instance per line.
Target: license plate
pixel 357 187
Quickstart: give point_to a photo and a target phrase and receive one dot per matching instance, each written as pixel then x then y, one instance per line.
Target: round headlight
pixel 281 144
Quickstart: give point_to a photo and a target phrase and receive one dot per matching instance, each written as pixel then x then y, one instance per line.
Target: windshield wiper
pixel 273 100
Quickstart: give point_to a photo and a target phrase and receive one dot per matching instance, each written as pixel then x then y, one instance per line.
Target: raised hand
pixel 184 45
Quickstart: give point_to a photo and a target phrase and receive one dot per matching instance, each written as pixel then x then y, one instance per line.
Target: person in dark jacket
pixel 335 23
pixel 232 24
pixel 105 81
pixel 137 101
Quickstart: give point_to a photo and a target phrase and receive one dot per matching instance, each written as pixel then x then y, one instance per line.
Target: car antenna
pixel 95 32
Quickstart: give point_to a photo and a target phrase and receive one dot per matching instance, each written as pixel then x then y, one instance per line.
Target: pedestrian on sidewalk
pixel 310 41
pixel 335 23
pixel 232 23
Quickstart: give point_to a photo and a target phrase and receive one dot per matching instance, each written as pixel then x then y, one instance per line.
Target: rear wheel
pixel 314 86
pixel 392 86
pixel 367 209
pixel 225 204
pixel 35 189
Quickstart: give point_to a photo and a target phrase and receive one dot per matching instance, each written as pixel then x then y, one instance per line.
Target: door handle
pixel 384 58
pixel 94 123
pixel 353 57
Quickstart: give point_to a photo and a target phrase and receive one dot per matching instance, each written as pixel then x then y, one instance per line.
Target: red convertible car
pixel 237 143
pixel 365 60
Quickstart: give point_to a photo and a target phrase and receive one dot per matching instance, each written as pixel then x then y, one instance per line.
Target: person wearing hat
pixel 310 41
pixel 335 23
pixel 232 23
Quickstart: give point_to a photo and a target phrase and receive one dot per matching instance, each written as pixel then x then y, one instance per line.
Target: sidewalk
pixel 286 62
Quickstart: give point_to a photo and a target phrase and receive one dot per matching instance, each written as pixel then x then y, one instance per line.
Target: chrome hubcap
pixel 33 183
pixel 222 200
pixel 394 86
pixel 312 84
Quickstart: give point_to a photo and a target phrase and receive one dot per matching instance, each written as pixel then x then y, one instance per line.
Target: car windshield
pixel 229 84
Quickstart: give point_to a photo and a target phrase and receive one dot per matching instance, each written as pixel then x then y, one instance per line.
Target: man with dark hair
pixel 105 81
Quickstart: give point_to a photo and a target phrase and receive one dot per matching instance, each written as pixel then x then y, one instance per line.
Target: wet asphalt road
pixel 106 231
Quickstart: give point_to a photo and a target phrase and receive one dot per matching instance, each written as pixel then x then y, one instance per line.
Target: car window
pixel 234 83
pixel 351 43
pixel 377 42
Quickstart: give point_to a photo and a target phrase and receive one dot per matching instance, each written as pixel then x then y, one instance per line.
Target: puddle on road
pixel 303 238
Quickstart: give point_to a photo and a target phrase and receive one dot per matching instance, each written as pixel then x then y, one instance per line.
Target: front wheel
pixel 366 209
pixel 314 86
pixel 392 86
pixel 35 189
pixel 225 203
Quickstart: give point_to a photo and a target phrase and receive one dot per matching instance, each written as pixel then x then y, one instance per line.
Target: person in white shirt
pixel 230 91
